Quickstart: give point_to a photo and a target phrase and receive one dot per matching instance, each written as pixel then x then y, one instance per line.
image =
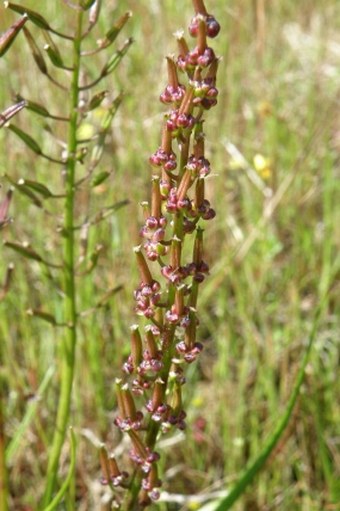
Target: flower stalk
pixel 150 394
pixel 70 310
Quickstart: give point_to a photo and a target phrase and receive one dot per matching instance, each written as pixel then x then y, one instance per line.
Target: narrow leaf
pixel 27 139
pixel 31 411
pixel 7 38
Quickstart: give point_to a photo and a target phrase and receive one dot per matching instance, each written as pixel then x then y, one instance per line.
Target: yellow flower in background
pixel 236 162
pixel 263 166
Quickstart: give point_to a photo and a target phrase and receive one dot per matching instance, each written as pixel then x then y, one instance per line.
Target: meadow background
pixel 273 142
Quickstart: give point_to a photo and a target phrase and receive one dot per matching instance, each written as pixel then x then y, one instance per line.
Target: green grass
pixel 272 259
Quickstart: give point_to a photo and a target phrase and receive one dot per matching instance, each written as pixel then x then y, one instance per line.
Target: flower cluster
pixel 168 290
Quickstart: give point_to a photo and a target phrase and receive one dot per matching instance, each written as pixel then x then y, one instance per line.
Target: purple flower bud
pixel 213 27
pixel 151 222
pixel 206 58
pixel 154 494
pixel 209 214
pixel 172 94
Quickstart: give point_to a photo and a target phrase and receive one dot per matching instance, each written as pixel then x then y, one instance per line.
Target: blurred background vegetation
pixel 273 142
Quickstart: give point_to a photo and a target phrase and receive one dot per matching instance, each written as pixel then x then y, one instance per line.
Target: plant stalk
pixel 3 469
pixel 70 338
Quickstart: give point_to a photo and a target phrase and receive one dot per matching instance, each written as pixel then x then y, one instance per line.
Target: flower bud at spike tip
pixel 7 38
pixel 143 267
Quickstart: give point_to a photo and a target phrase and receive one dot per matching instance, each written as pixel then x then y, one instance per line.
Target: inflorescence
pixel 167 293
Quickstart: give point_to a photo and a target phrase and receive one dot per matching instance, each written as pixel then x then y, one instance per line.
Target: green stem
pixel 3 468
pixel 69 341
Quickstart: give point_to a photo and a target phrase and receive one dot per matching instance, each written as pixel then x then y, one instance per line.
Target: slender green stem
pixel 69 341
pixel 3 468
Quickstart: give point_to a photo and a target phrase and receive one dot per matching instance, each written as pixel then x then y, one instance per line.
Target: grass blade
pixel 255 466
pixel 14 444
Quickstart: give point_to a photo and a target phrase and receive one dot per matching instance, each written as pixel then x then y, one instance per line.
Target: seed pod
pixel 115 59
pixel 7 114
pixel 37 55
pixel 4 207
pixel 27 139
pixel 112 34
pixel 35 17
pixel 7 38
pixel 54 56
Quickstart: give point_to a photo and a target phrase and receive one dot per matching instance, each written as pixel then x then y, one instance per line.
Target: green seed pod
pixel 37 54
pixel 27 139
pixel 35 17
